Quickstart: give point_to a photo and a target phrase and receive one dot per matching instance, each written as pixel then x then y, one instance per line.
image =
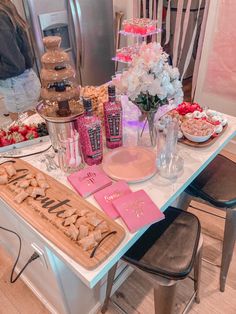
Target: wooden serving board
pixel 58 193
pixel 207 143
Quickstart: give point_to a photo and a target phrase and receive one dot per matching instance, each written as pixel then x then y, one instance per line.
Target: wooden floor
pixel 16 298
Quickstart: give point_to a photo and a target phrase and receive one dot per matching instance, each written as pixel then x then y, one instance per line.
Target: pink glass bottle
pixel 91 136
pixel 113 119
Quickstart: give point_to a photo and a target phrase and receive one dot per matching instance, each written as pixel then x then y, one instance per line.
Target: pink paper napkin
pixel 137 210
pixel 106 196
pixel 89 180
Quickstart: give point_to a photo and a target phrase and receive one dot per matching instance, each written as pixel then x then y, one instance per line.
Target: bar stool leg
pixel 164 299
pixel 228 245
pixel 110 279
pixel 182 201
pixel 197 274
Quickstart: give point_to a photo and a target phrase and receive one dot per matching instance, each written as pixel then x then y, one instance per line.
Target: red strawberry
pixel 14 128
pixel 6 140
pixel 31 135
pixel 2 133
pixel 186 107
pixel 23 130
pixel 17 137
pixel 32 127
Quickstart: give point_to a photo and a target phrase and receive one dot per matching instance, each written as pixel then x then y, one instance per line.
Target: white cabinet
pixel 52 280
pixel 38 276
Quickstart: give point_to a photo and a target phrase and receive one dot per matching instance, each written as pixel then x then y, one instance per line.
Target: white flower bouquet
pixel 150 81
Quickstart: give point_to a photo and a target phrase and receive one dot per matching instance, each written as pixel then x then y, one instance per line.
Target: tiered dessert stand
pixel 141 30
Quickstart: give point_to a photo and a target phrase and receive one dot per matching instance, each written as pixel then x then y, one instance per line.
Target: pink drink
pixel 113 119
pixel 91 136
pixel 79 124
pixel 140 26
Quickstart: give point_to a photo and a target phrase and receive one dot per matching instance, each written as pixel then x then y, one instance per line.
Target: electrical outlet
pixel 40 252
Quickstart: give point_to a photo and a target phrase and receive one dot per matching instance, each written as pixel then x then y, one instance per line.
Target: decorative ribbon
pixel 177 31
pixel 185 25
pixel 190 50
pixel 159 19
pixel 155 10
pixel 144 8
pixel 199 50
pixel 150 8
pixel 168 23
pixel 136 8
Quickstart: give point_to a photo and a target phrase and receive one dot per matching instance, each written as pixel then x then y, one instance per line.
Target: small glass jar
pixel 70 157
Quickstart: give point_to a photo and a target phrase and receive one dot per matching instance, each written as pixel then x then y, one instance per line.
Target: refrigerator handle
pixel 74 7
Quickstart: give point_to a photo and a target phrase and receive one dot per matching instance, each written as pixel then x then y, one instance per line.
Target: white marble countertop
pixel 162 191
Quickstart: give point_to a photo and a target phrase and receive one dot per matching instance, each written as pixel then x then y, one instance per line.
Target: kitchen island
pixel 62 284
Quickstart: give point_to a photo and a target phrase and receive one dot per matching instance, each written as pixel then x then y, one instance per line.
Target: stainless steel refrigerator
pixel 86 28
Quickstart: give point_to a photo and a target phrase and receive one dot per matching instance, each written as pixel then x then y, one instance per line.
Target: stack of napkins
pixel 135 208
pixel 106 197
pixel 89 180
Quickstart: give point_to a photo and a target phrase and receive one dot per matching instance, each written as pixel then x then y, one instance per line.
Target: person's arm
pixel 12 62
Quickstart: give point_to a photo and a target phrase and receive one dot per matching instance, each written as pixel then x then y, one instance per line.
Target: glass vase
pixel 169 163
pixel 146 129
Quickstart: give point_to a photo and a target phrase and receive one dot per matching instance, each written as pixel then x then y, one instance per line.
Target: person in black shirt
pixel 19 84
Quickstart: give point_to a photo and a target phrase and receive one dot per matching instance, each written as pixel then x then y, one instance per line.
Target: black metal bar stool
pixel 164 255
pixel 216 185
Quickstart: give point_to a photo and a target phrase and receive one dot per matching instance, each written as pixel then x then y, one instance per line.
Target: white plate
pixel 25 144
pixel 131 164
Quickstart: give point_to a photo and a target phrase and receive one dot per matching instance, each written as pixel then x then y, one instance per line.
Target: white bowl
pixel 197 139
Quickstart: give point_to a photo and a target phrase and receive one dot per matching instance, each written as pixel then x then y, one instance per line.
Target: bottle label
pixel 95 155
pixel 116 139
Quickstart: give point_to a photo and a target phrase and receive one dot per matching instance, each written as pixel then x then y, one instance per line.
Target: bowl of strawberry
pixel 187 107
pixel 18 133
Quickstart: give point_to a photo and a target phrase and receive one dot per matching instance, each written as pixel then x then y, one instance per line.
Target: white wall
pixel 217 72
pixel 124 5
